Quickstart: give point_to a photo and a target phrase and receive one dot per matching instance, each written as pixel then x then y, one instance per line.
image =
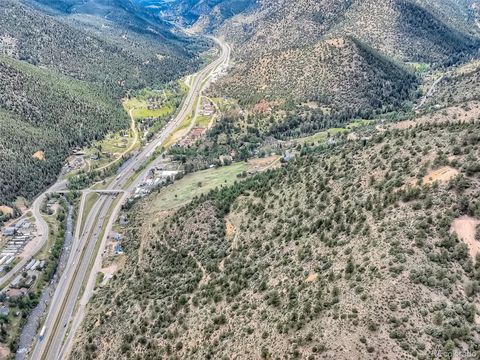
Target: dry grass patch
pixel 230 230
pixel 39 155
pixel 261 164
pixel 6 209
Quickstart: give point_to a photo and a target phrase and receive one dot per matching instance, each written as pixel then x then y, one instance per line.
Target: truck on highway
pixel 42 333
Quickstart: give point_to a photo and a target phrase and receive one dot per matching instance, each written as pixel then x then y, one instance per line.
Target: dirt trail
pixel 429 93
pixel 465 228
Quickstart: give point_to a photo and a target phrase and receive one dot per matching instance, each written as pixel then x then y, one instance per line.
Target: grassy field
pixel 225 104
pixel 140 102
pixel 203 121
pixel 420 68
pixel 111 148
pixel 323 135
pixel 141 111
pixel 89 202
pixel 184 190
pixel 52 229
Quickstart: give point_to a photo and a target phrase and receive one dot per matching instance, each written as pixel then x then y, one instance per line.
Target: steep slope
pixel 441 32
pixel 101 52
pixel 457 86
pixel 43 111
pixel 345 253
pixel 280 38
pixel 404 29
pixel 64 67
pixel 336 73
pixel 191 11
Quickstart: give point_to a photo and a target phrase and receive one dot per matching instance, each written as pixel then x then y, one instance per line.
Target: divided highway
pixel 58 326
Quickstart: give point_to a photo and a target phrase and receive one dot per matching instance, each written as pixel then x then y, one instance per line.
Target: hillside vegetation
pixel 44 111
pixel 99 51
pixel 64 66
pixel 457 86
pixel 347 252
pixel 334 73
pixel 284 47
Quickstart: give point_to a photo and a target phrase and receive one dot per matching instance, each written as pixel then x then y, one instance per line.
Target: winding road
pixel 66 311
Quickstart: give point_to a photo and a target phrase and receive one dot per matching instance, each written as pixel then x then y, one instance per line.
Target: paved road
pixel 64 302
pixel 29 330
pixel 36 244
pixel 133 128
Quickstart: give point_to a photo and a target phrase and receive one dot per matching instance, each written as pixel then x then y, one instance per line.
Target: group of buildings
pixel 156 177
pixel 18 236
pixel 20 285
pixel 27 277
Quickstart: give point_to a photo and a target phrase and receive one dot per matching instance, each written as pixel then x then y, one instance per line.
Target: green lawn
pixel 323 135
pixel 203 121
pixel 143 112
pixel 184 190
pixel 420 67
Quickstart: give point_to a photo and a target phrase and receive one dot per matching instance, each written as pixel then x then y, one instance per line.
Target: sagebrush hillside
pixel 408 30
pixel 347 252
pixel 280 38
pixel 457 86
pixel 335 73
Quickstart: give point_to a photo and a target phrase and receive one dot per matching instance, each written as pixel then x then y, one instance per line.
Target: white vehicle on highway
pixel 42 333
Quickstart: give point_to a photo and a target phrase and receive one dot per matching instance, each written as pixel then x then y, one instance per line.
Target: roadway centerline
pixel 67 295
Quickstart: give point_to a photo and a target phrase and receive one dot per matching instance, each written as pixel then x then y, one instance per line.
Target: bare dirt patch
pixel 6 209
pixel 465 228
pixel 443 174
pixel 4 352
pixel 230 230
pixel 110 270
pixel 39 155
pixel 263 164
pixel 403 125
pixel 263 107
pixel 338 43
pixel 311 277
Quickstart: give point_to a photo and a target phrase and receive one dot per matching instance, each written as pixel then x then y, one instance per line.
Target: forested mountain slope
pixel 286 36
pixel 44 111
pixel 348 252
pixel 99 50
pixel 457 86
pixel 336 73
pixel 63 71
pixel 404 29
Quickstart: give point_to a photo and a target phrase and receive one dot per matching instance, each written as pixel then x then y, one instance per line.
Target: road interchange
pixel 65 311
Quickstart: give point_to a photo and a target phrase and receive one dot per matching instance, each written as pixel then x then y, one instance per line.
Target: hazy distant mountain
pixel 56 58
pixel 274 39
